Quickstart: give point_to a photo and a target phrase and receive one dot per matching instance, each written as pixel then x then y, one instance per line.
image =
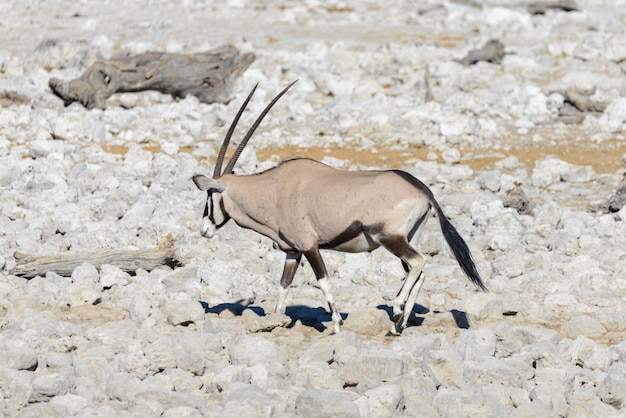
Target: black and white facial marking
pixel 215 215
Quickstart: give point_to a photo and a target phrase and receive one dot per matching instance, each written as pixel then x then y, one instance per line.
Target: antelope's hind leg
pixel 413 263
pixel 315 259
pixel 292 260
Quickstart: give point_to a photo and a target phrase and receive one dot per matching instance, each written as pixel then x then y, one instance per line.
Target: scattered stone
pixel 584 352
pixel 490 180
pixel 612 389
pixel 618 200
pixel 267 323
pixel 183 313
pixel 49 386
pixel 15 353
pixel 323 403
pixel 451 156
pixel 386 400
pixel 384 365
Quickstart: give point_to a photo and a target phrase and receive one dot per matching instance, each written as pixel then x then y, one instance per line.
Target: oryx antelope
pixel 305 206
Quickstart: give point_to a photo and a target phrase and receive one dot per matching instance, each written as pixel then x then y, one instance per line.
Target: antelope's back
pixel 327 194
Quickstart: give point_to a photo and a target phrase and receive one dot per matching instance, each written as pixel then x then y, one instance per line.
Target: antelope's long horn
pixel 244 141
pixel 220 157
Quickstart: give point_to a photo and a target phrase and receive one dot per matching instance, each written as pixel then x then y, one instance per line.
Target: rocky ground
pixel 524 154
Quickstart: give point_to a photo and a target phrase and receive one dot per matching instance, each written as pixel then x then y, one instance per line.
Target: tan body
pixel 300 211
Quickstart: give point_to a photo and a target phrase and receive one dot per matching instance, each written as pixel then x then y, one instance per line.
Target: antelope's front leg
pixel 292 260
pixel 315 259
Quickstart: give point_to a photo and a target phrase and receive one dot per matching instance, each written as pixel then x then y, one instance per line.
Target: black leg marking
pixel 289 269
pixel 316 261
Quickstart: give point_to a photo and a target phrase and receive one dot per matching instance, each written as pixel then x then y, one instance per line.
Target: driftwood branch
pixel 492 51
pixel 541 7
pixel 208 76
pixel 29 266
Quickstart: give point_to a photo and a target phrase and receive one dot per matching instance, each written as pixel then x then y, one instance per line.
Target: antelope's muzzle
pixel 207 229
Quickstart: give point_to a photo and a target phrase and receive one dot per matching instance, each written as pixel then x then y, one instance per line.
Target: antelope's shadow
pixel 309 316
pixel 460 317
pixel 313 317
pixel 236 308
pixel 316 317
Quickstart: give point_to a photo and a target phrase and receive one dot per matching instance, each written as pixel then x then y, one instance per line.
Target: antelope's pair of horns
pixel 220 157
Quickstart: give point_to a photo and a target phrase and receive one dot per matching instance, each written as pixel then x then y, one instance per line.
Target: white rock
pixel 386 400
pixel 111 275
pixel 549 171
pixel 316 374
pixel 612 389
pixel 322 403
pixel 616 47
pixel 549 214
pixel 551 395
pixel 182 312
pixel 591 355
pixel 482 305
pixel 451 156
pixel 368 321
pixel 143 307
pixel 454 402
pixel 215 276
pixel 615 114
pixel 492 371
pixel 76 124
pixel 446 366
pixel 474 345
pixel 582 325
pixel 85 273
pixel 227 376
pixel 509 265
pixel 81 293
pixel 167 399
pixel 252 350
pixel 71 403
pixel 44 147
pixel 490 180
pixel 49 386
pixel 92 370
pixel 579 174
pixel 15 353
pixel 384 365
pixel 190 351
pixel 17 388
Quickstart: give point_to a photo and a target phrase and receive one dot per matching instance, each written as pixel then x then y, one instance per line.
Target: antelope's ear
pixel 206 183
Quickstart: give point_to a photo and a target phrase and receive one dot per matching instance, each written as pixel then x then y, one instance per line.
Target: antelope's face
pixel 215 215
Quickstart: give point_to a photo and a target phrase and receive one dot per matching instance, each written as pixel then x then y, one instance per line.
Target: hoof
pixel 395 331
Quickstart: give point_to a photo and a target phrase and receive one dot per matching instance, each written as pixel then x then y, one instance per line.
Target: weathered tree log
pixel 29 266
pixel 541 7
pixel 492 51
pixel 207 75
